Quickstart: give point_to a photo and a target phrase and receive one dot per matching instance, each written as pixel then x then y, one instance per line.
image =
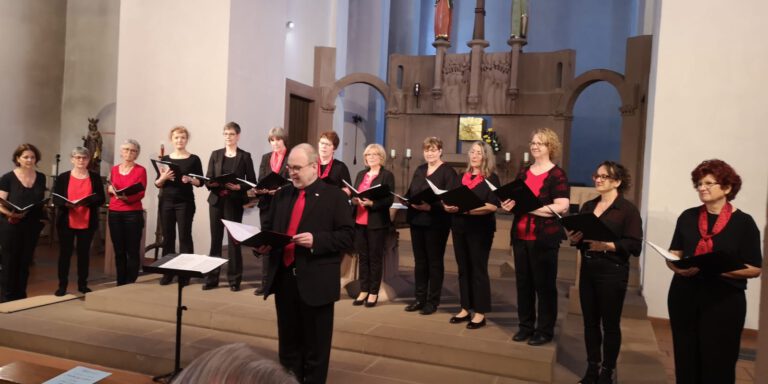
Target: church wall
pixel 90 76
pixel 31 62
pixel 707 101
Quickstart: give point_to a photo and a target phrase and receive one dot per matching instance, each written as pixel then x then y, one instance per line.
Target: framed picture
pixel 471 128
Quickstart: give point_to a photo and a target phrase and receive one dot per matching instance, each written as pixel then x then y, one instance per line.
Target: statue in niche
pixel 443 19
pixel 93 142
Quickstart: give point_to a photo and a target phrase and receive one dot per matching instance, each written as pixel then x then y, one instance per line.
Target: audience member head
pixel 23 148
pixel 234 364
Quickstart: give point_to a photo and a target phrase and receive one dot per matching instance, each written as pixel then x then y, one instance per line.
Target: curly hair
pixel 550 139
pixel 723 173
pixel 617 172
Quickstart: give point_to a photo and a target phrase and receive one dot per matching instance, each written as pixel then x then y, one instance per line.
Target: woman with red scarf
pixel 331 170
pixel 473 233
pixel 706 311
pixel 271 162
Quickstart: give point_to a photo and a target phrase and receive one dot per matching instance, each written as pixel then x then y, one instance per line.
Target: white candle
pixel 407 153
pixel 525 157
pixel 393 153
pixel 507 157
pixel 53 169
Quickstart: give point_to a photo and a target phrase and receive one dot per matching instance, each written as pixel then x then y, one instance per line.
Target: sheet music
pixel 490 185
pixel 240 231
pixel 663 252
pixel 246 182
pixel 79 375
pixel 350 187
pixel 197 263
pixel 435 189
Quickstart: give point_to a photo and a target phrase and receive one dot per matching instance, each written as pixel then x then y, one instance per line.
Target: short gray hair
pixel 234 364
pixel 82 151
pixel 277 133
pixel 134 143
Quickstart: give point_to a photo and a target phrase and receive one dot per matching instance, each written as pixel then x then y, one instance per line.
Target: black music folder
pixel 461 197
pixel 525 200
pixel 223 179
pixel 270 182
pixel 713 263
pixel 162 165
pixel 589 225
pixel 17 209
pixel 77 203
pixel 373 193
pixel 254 237
pixel 130 190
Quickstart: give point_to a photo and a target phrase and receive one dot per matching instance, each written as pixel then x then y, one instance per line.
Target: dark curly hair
pixel 723 173
pixel 617 172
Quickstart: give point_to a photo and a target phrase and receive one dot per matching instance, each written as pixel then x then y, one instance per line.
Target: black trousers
pixel 304 332
pixel 181 213
pixel 472 250
pixel 536 275
pixel 125 229
pixel 80 241
pixel 429 254
pixel 369 244
pixel 707 317
pixel 602 287
pixel 17 246
pixel 227 209
pixel 263 213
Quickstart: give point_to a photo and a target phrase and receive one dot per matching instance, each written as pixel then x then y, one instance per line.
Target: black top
pixel 229 165
pixel 62 186
pixel 22 196
pixel 378 213
pixel 548 231
pixel 444 177
pixel 175 190
pixel 338 172
pixel 478 223
pixel 265 169
pixel 739 239
pixel 623 219
pixel 241 165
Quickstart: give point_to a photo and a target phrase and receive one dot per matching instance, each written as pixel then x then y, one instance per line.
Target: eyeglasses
pixel 80 157
pixel 537 144
pixel 705 184
pixel 228 134
pixel 597 177
pixel 296 168
pixel 126 149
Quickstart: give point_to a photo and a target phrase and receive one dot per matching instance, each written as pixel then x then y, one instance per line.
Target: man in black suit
pixel 227 203
pixel 304 275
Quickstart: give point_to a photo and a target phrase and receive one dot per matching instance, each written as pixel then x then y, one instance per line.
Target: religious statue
pixel 443 19
pixel 93 142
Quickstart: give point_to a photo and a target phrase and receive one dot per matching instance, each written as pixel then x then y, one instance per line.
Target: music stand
pixel 184 276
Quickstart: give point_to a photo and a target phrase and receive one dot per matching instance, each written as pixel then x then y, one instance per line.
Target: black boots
pixel 592 375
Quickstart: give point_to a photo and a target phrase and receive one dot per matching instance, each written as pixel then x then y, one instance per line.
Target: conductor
pixel 304 275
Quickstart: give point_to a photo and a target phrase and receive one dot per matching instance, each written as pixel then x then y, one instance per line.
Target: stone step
pixel 385 331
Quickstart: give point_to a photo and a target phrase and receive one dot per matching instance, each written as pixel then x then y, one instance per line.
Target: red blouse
pixel 77 189
pixel 526 225
pixel 362 213
pixel 137 174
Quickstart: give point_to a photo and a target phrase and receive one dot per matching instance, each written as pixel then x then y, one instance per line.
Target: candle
pixel 407 153
pixel 393 153
pixel 507 157
pixel 525 157
pixel 53 169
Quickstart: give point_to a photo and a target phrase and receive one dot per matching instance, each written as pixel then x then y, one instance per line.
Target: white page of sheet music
pixel 667 255
pixel 197 263
pixel 240 231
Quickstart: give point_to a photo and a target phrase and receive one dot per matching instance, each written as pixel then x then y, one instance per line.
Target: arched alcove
pixel 595 131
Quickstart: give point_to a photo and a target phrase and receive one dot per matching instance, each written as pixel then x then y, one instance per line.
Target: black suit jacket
pixel 378 213
pixel 264 170
pixel 243 170
pixel 326 217
pixel 61 187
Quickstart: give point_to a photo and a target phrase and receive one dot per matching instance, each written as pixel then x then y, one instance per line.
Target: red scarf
pixel 276 162
pixel 470 182
pixel 705 244
pixel 325 174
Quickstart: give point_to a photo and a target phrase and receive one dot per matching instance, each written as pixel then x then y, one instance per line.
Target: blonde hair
pixel 432 141
pixel 179 129
pixel 377 149
pixel 488 165
pixel 550 139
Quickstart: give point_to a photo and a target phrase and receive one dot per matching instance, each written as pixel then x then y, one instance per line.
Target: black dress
pixel 18 240
pixel 706 312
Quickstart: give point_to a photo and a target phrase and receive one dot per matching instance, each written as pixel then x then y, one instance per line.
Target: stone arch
pixel 329 99
pixel 579 84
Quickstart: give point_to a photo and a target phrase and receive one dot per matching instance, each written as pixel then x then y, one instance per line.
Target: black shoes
pixel 473 325
pixel 522 335
pixel 607 376
pixel 60 292
pixel 371 304
pixel 416 306
pixel 259 291
pixel 539 339
pixel 209 286
pixel 593 372
pixel 84 290
pixel 428 309
pixel 457 319
pixel 166 279
pixel 359 302
pixel 234 287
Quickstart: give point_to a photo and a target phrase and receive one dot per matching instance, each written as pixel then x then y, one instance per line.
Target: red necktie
pixel 293 226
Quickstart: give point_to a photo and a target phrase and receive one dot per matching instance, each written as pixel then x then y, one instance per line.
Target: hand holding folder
pixel 712 263
pixel 590 226
pixel 73 203
pixel 375 192
pixel 162 166
pixel 518 191
pixel 254 237
pixel 462 197
pixel 13 208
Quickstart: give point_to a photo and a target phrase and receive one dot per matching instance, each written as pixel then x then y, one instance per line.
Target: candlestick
pixel 407 153
pixel 525 157
pixel 507 157
pixel 393 154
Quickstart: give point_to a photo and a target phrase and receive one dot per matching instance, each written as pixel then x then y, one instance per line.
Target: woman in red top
pixel 77 223
pixel 536 237
pixel 126 220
